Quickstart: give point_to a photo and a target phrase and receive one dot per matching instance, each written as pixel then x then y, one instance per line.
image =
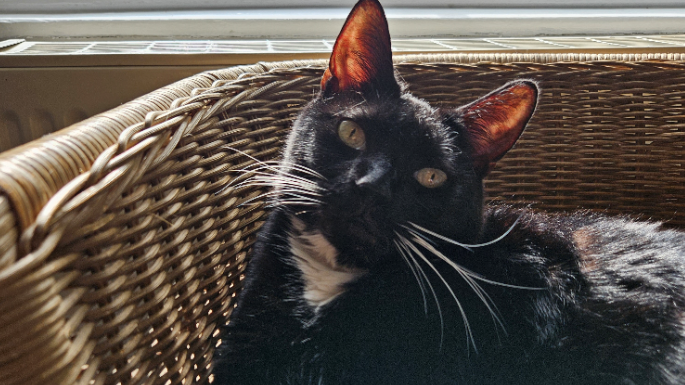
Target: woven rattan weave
pixel 121 248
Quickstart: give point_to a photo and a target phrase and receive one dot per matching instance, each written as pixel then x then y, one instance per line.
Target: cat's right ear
pixel 362 57
pixel 494 122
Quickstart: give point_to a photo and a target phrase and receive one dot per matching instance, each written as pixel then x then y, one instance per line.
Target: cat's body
pixel 611 312
pixel 380 265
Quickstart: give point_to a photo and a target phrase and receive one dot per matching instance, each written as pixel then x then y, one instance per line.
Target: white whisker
pixel 259 171
pixel 468 277
pixel 263 176
pixel 413 268
pixel 469 333
pixel 424 237
pixel 275 165
pixel 298 198
pixel 466 245
pixel 289 203
pixel 472 274
pixel 288 165
pixel 286 187
pixel 403 244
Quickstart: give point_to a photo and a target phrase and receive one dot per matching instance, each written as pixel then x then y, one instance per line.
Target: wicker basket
pixel 121 251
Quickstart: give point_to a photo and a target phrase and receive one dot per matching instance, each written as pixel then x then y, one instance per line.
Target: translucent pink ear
pixel 495 121
pixel 362 57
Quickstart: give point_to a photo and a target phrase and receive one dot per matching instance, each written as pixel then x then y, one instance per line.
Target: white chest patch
pixel 324 279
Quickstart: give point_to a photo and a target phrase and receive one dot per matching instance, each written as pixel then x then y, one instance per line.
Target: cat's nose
pixel 376 176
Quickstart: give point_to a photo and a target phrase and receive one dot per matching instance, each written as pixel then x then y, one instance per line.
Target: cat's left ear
pixel 362 57
pixel 494 122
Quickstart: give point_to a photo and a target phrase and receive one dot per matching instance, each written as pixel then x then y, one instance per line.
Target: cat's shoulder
pixel 599 246
pixel 583 228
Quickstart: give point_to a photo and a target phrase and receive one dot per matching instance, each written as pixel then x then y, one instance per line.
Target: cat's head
pixel 381 158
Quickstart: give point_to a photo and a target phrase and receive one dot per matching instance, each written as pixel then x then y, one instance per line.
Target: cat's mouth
pixel 364 230
pixel 359 228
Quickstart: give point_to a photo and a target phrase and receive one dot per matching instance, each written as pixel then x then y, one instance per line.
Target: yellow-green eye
pixel 352 135
pixel 430 177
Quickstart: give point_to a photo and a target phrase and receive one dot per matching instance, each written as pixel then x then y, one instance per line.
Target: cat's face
pixel 386 162
pixel 381 159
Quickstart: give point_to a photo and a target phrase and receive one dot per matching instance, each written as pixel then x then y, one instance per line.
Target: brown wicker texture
pixel 122 247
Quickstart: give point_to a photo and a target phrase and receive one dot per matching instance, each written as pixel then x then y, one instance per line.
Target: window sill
pixel 223 53
pixel 325 23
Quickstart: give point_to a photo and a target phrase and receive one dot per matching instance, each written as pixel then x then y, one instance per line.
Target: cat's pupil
pixel 352 135
pixel 430 177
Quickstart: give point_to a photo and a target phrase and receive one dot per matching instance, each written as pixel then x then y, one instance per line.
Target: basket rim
pixel 28 192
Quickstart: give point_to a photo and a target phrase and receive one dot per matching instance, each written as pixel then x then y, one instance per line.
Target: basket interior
pixel 130 267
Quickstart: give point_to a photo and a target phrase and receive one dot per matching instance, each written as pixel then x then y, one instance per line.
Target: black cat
pixel 379 264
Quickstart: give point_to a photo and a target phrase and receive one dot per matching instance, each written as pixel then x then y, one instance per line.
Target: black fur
pixel 614 316
pixel 574 299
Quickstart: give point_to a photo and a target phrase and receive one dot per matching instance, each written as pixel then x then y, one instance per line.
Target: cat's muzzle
pixel 357 226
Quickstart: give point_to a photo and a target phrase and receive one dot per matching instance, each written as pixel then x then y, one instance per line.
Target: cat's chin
pixel 361 243
pixel 364 255
pixel 365 238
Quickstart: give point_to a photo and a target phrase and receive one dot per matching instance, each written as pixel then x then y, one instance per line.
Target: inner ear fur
pixel 494 122
pixel 362 56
